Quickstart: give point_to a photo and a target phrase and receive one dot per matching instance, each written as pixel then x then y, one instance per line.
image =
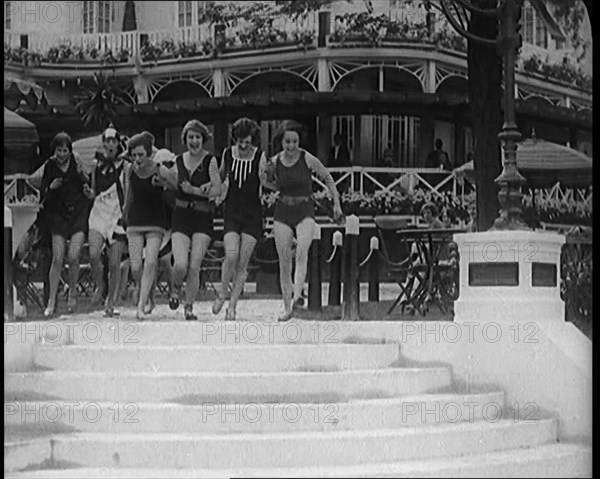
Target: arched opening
pixel 181 90
pixel 272 82
pixel 454 90
pixel 369 79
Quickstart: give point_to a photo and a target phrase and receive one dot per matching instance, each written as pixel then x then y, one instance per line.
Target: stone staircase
pixel 259 400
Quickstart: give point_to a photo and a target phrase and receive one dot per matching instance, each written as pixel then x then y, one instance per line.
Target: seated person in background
pixel 430 215
pixel 448 218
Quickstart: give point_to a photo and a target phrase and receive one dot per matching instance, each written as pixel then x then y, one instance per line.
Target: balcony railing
pixel 404 24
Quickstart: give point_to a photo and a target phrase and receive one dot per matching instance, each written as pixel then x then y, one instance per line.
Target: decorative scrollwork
pixel 205 80
pixel 526 93
pixel 307 71
pixel 340 69
pixel 442 72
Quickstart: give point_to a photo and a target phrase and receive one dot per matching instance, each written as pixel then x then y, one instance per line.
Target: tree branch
pixel 483 11
pixel 459 16
pixel 462 31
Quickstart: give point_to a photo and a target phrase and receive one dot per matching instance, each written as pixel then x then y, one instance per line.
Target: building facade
pixel 387 75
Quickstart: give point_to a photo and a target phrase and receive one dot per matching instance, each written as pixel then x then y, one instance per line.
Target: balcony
pixel 261 32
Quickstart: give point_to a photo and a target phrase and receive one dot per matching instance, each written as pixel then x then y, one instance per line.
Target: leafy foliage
pixel 566 72
pixel 300 8
pixel 98 108
pixel 570 15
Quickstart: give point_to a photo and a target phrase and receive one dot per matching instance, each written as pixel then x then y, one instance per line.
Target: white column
pixel 140 85
pixel 324 82
pixel 219 83
pixel 430 78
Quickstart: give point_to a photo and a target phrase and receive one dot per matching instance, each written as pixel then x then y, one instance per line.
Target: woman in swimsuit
pixel 243 169
pixel 66 209
pixel 145 219
pixel 195 177
pixel 295 210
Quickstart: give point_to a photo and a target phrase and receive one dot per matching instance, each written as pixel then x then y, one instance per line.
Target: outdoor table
pixel 428 247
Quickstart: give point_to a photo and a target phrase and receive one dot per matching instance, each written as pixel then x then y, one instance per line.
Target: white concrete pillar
pixel 509 276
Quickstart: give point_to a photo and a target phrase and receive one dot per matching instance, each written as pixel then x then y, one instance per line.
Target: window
pixel 534 30
pixel 97 17
pixel 528 22
pixel 7 15
pixel 189 13
pixel 104 11
pixel 541 34
pixel 184 13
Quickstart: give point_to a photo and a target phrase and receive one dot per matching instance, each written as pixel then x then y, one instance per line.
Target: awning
pixel 16 91
pixel 17 130
pixel 544 164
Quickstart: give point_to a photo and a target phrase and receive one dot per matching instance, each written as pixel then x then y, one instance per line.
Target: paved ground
pixel 254 307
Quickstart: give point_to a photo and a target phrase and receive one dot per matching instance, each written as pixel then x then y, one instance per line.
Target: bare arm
pixel 224 177
pixel 265 174
pixel 318 169
pixel 215 179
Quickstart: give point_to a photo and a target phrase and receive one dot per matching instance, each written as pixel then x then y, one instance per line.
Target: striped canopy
pixel 16 91
pixel 544 164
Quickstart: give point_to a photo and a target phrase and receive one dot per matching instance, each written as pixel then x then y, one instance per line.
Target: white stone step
pixel 100 331
pixel 266 357
pixel 177 387
pixel 47 417
pixel 287 450
pixel 549 460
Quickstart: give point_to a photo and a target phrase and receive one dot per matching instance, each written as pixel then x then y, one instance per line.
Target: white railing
pixel 17 187
pixel 103 42
pixel 186 34
pixel 367 179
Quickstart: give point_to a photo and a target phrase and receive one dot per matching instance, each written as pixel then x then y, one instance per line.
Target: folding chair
pixel 396 252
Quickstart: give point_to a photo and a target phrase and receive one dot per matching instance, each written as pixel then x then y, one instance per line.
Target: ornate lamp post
pixel 508 43
pixel 517 287
pixel 510 180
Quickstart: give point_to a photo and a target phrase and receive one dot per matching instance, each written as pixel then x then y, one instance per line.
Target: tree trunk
pixel 485 96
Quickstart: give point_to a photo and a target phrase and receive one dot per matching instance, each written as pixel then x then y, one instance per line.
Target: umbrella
pixel 543 164
pixel 18 131
pixel 16 91
pixel 20 143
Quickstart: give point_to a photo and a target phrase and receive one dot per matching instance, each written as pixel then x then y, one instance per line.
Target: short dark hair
pixel 288 125
pixel 145 139
pixel 62 139
pixel 431 207
pixel 244 127
pixel 438 143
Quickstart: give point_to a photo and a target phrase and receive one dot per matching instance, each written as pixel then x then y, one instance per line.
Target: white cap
pixel 110 133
